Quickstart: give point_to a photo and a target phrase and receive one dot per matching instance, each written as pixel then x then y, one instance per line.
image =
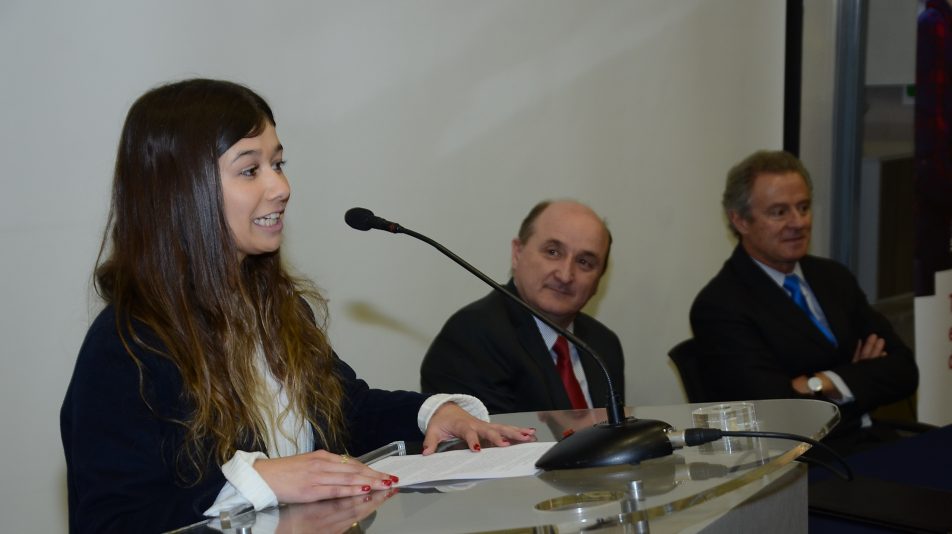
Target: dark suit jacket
pixel 492 349
pixel 754 339
pixel 121 456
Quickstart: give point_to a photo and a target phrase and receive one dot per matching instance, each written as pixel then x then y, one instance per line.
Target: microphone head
pixel 359 218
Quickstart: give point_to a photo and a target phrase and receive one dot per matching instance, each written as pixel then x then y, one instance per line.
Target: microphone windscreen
pixel 359 218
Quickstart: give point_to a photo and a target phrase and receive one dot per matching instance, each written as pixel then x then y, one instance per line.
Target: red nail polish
pixel 365 488
pixel 476 447
pixel 568 432
pixel 387 482
pixel 395 478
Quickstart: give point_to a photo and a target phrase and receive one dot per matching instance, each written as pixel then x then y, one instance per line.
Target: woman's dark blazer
pixel 124 471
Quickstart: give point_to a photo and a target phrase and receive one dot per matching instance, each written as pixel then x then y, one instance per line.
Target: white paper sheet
pixel 495 462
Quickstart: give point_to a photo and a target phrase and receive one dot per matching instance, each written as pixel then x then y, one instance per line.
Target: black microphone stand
pixel 619 440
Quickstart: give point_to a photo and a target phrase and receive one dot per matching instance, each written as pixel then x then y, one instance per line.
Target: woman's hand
pixel 451 421
pixel 319 475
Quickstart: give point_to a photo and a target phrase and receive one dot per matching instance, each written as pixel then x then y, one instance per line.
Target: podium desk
pixel 747 485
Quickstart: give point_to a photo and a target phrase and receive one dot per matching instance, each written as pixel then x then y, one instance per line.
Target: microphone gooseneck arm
pixel 364 219
pixel 620 440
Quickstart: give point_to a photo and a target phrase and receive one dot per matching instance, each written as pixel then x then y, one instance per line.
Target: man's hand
pixel 873 347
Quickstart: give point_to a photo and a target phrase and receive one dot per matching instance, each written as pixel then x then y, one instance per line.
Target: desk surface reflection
pixel 577 500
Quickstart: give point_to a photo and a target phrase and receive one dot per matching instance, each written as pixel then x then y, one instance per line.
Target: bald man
pixel 495 350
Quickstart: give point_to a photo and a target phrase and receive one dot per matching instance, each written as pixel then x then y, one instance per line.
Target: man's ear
pixel 516 251
pixel 739 223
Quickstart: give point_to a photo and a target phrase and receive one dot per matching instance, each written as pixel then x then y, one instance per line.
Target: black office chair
pixel 685 357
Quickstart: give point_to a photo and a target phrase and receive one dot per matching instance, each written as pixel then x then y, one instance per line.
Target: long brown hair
pixel 168 260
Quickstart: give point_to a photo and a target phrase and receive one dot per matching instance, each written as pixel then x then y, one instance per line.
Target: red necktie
pixel 564 365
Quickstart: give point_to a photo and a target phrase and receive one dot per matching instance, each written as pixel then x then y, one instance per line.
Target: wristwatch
pixel 815 385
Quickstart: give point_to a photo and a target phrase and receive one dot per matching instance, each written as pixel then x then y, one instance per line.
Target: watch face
pixel 815 385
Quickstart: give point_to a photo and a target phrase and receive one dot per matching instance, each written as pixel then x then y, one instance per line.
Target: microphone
pixel 620 440
pixel 363 219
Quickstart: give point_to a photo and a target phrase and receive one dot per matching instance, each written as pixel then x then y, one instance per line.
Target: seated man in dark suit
pixel 510 360
pixel 776 322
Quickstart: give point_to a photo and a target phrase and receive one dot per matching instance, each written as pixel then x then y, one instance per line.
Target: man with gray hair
pixel 778 323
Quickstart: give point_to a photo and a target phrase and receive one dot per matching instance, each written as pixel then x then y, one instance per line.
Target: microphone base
pixel 628 442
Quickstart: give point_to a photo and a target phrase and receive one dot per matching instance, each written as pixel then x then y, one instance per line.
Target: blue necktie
pixel 792 284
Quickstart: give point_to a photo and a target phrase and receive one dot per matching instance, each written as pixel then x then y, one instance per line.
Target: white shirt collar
pixel 778 276
pixel 549 335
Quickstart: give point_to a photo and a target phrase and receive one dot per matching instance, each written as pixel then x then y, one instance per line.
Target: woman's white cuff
pixel 240 472
pixel 471 404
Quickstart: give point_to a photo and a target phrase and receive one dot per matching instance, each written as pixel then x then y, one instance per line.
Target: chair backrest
pixel 685 357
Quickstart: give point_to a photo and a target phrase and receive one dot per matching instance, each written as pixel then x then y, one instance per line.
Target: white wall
pixel 451 117
pixel 816 113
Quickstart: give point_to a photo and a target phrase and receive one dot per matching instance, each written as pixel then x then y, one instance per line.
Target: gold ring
pixel 343 458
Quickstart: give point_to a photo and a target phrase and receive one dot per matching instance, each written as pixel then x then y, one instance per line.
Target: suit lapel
pixel 825 294
pixel 531 340
pixel 594 374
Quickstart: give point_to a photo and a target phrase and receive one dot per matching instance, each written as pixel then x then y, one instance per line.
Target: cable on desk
pixel 699 436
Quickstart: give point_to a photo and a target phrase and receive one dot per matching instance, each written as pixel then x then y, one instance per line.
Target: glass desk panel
pixel 669 484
